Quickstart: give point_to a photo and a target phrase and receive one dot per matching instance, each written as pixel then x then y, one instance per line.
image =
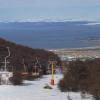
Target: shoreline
pixel 78 52
pixel 81 48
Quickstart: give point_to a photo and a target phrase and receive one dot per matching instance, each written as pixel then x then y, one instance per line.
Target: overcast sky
pixel 32 10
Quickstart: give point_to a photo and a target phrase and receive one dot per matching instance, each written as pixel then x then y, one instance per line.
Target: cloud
pixel 52 9
pixel 47 3
pixel 83 2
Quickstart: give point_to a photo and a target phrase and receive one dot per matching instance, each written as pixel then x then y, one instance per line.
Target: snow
pixel 4 77
pixel 33 90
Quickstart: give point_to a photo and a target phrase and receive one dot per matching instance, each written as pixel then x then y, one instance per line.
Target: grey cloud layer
pixel 7 3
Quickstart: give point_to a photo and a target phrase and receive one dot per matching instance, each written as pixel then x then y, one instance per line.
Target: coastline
pixel 79 52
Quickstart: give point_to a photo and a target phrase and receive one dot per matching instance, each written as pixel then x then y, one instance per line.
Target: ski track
pixel 33 90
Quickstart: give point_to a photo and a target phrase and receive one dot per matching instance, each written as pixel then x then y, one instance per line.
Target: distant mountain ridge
pixel 32 25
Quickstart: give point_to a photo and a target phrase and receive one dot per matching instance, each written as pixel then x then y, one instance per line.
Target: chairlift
pixel 36 68
pixel 49 69
pixel 5 74
pixel 25 69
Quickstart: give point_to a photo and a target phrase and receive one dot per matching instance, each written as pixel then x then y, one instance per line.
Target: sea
pixel 52 35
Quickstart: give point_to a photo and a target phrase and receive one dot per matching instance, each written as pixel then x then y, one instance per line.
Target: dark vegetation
pixel 18 53
pixel 16 79
pixel 29 55
pixel 82 76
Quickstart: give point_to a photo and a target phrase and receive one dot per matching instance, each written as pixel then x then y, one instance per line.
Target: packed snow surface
pixel 34 90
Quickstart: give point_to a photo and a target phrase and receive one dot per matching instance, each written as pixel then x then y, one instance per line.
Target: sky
pixel 35 10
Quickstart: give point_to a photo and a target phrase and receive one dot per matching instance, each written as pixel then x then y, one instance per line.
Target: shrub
pixel 47 87
pixel 82 76
pixel 16 79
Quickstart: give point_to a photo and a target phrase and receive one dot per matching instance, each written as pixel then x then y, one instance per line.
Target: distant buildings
pixel 73 58
pixel 67 58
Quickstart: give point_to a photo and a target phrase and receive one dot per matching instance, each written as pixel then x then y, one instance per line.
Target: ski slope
pixel 33 90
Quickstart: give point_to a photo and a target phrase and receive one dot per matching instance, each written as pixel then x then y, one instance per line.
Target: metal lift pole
pixel 5 69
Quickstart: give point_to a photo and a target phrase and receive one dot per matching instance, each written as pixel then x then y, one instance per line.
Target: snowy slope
pixel 33 90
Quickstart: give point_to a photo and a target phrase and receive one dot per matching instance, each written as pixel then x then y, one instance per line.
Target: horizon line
pixel 49 20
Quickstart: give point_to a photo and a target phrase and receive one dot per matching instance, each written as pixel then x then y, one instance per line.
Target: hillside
pixel 19 52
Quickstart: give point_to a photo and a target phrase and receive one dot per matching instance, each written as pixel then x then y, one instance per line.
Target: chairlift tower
pixel 52 62
pixel 25 67
pixel 37 67
pixel 6 59
pixel 5 75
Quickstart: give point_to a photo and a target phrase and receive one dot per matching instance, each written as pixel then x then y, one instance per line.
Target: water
pixel 52 35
